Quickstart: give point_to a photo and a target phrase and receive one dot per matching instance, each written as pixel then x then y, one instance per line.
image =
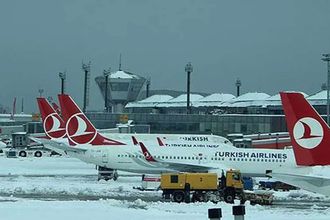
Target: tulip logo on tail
pixel 308 132
pixel 147 155
pixel 52 126
pixel 79 132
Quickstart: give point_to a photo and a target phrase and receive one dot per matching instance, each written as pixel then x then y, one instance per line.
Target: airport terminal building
pixel 219 114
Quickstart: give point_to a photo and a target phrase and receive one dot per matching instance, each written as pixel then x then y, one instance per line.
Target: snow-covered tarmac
pixel 65 188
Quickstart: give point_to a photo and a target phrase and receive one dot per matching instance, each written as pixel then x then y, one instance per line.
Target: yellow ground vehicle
pixel 188 187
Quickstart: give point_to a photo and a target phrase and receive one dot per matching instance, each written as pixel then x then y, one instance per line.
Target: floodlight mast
pixel 86 68
pixel 62 76
pixel 326 58
pixel 148 82
pixel 238 85
pixel 189 70
pixel 40 92
pixel 106 74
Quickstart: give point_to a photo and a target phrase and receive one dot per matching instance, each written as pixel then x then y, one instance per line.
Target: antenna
pixel 120 62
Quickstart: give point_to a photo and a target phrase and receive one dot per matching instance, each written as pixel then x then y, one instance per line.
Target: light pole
pixel 106 74
pixel 189 70
pixel 62 77
pixel 148 87
pixel 238 85
pixel 87 69
pixel 326 58
pixel 40 92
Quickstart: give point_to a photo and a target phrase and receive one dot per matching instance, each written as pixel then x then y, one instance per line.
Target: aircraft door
pixel 104 157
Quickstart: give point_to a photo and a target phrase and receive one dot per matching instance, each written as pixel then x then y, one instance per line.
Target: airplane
pixel 52 121
pixel 106 150
pixel 310 137
pixel 54 127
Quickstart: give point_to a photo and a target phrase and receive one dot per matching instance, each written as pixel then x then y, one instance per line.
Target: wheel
pixel 198 197
pixel 38 154
pixel 229 199
pixel 22 154
pixel 178 196
pixel 229 196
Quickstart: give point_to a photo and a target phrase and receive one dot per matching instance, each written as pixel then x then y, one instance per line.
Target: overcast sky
pixel 269 45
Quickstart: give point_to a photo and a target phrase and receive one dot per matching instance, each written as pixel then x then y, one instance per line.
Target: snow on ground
pixel 65 188
pixel 116 209
pixel 45 166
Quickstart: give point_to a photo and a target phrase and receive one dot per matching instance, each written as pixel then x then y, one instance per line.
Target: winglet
pixel 309 133
pixel 56 108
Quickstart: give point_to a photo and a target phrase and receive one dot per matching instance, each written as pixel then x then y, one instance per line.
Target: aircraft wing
pixel 54 145
pixel 318 184
pixel 317 181
pixel 189 167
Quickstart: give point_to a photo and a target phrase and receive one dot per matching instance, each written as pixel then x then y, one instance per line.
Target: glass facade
pixel 196 124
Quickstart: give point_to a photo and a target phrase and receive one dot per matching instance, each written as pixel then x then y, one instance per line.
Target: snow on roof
pixel 214 100
pixel 275 100
pixel 275 97
pixel 181 101
pixel 183 98
pixel 223 100
pixel 322 95
pixel 251 96
pixel 123 75
pixel 247 99
pixel 217 97
pixel 151 101
pixel 157 98
pixel 319 98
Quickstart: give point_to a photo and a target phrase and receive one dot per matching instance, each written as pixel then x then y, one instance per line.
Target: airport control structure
pixel 123 87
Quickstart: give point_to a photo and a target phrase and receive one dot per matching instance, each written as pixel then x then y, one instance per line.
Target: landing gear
pixel 107 174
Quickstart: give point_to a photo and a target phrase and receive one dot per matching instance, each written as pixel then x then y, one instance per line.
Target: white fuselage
pixel 129 157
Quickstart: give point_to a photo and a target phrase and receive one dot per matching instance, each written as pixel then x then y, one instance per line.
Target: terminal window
pixel 119 86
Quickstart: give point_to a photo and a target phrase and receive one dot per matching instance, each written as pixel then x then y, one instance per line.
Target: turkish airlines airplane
pixel 310 137
pixel 54 127
pixel 123 152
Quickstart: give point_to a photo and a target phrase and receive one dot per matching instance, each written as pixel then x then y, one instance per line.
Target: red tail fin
pixel 135 142
pixel 78 128
pixel 310 135
pixel 53 124
pixel 160 142
pixel 56 108
pixel 146 153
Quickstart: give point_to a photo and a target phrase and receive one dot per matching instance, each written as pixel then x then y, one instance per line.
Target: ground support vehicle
pixel 276 185
pixel 106 174
pixel 202 187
